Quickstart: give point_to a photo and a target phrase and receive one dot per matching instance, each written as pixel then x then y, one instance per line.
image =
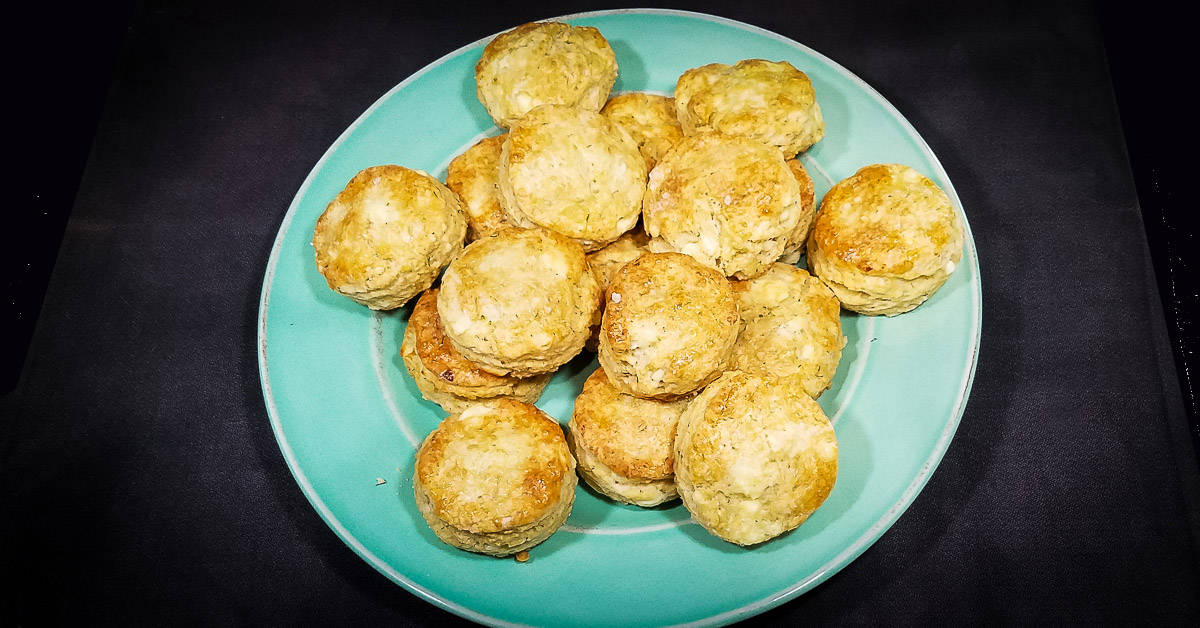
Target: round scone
pixel 808 210
pixel 730 202
pixel 623 443
pixel 519 303
pixel 649 119
pixel 791 327
pixel 385 237
pixel 473 177
pixel 885 239
pixel 572 171
pixel 769 101
pixel 544 63
pixel 496 478
pixel 445 377
pixel 754 457
pixel 669 326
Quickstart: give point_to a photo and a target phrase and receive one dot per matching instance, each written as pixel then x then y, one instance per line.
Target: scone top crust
pixel 649 119
pixel 572 171
pixel 623 250
pixel 520 302
pixel 496 466
pixel 384 237
pixel 754 457
pixel 889 220
pixel 770 101
pixel 544 63
pixel 630 435
pixel 730 202
pixel 437 353
pixel 808 211
pixel 669 326
pixel 473 177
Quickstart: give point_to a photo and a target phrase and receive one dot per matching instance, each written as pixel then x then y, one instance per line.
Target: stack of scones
pixel 660 232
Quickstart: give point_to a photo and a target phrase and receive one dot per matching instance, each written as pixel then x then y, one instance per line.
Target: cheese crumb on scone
pixel 808 211
pixel 473 175
pixel 885 239
pixel 769 101
pixel 385 237
pixel 544 63
pixel 649 119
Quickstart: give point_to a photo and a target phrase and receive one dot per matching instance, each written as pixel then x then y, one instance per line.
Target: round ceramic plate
pixel 348 417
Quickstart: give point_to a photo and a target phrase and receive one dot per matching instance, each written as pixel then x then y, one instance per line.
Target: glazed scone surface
pixel 385 237
pixel 754 457
pixel 649 119
pixel 544 63
pixel 769 101
pixel 473 177
pixel 572 171
pixel 808 211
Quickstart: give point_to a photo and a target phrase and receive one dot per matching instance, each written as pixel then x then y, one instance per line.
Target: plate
pixel 348 418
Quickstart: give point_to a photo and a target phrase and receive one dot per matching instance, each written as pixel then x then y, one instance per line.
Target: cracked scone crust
pixel 519 303
pixel 885 239
pixel 730 202
pixel 754 457
pixel 445 377
pixel 623 444
pixel 544 63
pixel 669 326
pixel 769 101
pixel 649 119
pixel 573 172
pixel 496 479
pixel 791 328
pixel 385 237
pixel 808 211
pixel 473 175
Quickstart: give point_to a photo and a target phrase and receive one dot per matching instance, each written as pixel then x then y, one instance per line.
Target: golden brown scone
pixel 445 377
pixel 544 63
pixel 520 302
pixel 605 263
pixel 730 202
pixel 808 210
pixel 754 457
pixel 495 479
pixel 623 443
pixel 385 237
pixel 669 326
pixel 885 239
pixel 473 177
pixel 791 328
pixel 770 101
pixel 649 119
pixel 572 171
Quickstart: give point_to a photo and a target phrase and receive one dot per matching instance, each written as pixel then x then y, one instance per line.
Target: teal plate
pixel 347 415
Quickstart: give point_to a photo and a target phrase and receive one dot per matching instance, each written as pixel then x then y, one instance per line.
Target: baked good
pixel 385 237
pixel 669 326
pixel 544 63
pixel 623 443
pixel 808 210
pixel 520 302
pixel 445 377
pixel 496 478
pixel 885 239
pixel 754 457
pixel 791 328
pixel 473 177
pixel 621 251
pixel 730 202
pixel 770 101
pixel 572 171
pixel 649 119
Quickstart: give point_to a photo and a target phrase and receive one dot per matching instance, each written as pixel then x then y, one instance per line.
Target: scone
pixel 495 479
pixel 544 63
pixel 808 210
pixel 385 237
pixel 649 119
pixel 885 239
pixel 791 328
pixel 754 457
pixel 473 177
pixel 730 202
pixel 572 171
pixel 669 326
pixel 769 101
pixel 623 444
pixel 519 303
pixel 445 377
pixel 605 263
